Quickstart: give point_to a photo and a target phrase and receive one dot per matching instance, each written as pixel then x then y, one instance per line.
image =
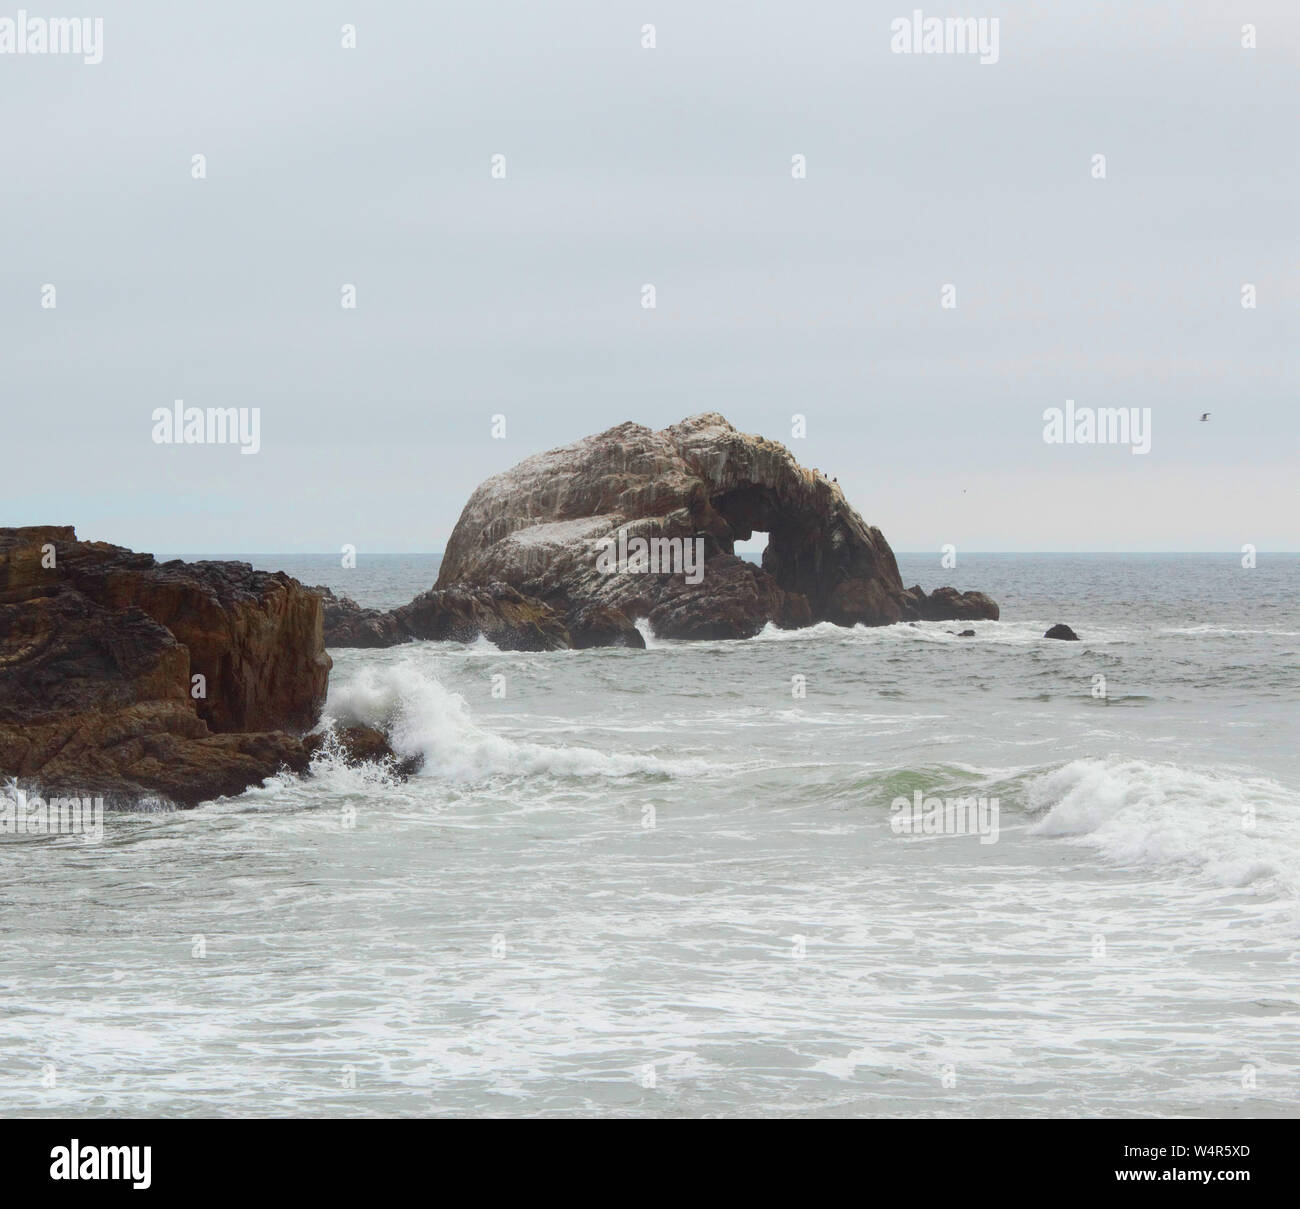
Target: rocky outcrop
pixel 128 678
pixel 501 614
pixel 1063 632
pixel 947 604
pixel 602 625
pixel 506 617
pixel 254 636
pixel 347 624
pixel 548 527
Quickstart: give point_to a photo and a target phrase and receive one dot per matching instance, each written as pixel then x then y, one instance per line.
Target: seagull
pixel 1205 415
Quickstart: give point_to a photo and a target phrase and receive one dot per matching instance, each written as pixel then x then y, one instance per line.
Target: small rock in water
pixel 1062 632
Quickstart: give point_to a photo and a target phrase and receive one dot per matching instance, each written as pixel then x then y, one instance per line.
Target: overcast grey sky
pixel 672 166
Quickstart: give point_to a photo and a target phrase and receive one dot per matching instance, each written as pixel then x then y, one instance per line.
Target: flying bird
pixel 1205 415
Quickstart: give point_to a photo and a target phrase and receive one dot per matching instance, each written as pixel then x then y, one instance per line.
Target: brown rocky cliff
pixel 97 654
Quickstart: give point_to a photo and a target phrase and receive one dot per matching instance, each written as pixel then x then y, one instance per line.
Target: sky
pixel 776 295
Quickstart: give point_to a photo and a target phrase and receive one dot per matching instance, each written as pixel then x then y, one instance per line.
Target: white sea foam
pixel 421 717
pixel 1235 829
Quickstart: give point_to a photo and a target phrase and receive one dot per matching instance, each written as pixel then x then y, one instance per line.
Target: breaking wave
pixel 421 717
pixel 1235 829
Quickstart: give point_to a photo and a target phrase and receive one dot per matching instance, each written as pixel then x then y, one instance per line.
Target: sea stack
pixel 635 523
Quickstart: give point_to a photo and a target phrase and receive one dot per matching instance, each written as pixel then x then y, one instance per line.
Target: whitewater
pixel 664 882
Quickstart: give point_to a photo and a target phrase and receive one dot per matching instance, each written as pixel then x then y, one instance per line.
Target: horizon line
pixel 964 554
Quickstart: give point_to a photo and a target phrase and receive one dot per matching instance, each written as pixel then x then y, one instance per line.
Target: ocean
pixel 672 882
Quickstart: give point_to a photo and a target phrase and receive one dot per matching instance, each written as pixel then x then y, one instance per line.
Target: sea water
pixel 665 882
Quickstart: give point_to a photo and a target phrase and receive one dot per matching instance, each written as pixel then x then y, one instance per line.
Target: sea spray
pixel 422 717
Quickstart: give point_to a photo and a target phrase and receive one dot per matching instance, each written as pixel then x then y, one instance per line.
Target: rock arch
pixel 540 526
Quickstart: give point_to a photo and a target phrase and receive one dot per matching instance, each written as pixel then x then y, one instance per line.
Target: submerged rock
pixel 644 524
pixel 127 678
pixel 359 744
pixel 1062 632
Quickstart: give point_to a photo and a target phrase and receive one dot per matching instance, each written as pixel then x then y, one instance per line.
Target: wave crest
pixel 422 717
pixel 1235 829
